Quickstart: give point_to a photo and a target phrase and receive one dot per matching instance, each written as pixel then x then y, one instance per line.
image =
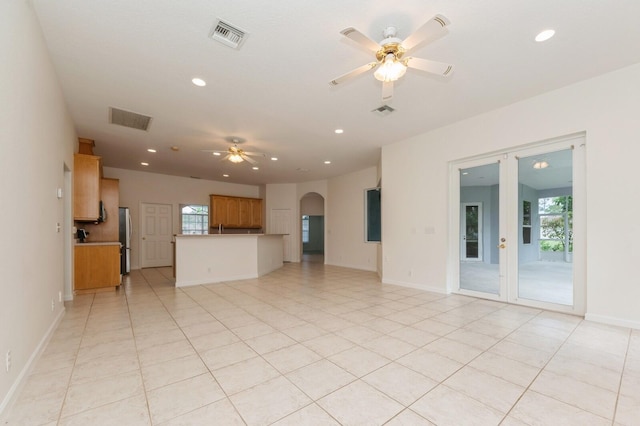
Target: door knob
pixel 502 246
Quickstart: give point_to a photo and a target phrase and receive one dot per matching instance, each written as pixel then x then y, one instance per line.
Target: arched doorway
pixel 312 223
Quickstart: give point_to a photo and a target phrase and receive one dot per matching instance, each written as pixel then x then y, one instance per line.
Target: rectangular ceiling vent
pixel 383 110
pixel 228 34
pixel 129 119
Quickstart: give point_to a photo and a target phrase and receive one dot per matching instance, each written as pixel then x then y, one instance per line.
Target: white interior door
pixel 155 244
pixel 532 200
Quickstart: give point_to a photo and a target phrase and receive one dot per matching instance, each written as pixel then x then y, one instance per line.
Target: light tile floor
pixel 318 345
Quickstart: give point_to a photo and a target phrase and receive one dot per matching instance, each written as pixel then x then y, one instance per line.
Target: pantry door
pixel 155 244
pixel 533 208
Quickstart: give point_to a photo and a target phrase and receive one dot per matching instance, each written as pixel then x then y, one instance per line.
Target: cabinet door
pixel 96 266
pixel 256 213
pixel 86 187
pixel 233 213
pixel 218 211
pixel 244 210
pixel 108 230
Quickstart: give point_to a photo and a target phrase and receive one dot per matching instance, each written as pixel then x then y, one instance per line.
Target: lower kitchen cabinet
pixel 96 266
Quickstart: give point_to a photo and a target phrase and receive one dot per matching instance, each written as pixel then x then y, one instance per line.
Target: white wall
pixel 283 197
pixel 312 204
pixel 36 141
pixel 415 188
pixel 345 241
pixel 141 187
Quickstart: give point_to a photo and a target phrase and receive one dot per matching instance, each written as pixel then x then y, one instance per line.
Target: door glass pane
pixel 479 228
pixel 545 269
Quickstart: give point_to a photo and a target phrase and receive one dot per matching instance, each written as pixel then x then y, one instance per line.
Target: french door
pixel 517 226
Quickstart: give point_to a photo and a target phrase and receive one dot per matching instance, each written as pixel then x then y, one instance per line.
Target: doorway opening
pixel 312 227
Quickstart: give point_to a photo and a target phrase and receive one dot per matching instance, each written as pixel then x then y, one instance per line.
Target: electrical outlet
pixel 411 272
pixel 53 305
pixel 60 296
pixel 8 360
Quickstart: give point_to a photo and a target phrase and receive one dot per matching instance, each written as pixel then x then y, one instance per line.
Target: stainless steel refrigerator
pixel 125 240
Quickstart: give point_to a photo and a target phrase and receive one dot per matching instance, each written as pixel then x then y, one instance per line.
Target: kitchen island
pixel 212 258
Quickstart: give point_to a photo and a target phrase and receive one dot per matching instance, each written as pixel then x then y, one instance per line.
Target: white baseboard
pixel 358 267
pixel 612 321
pixel 416 286
pixel 9 398
pixel 216 280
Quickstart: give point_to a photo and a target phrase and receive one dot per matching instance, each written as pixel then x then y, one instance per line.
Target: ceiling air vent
pixel 129 119
pixel 228 34
pixel 383 110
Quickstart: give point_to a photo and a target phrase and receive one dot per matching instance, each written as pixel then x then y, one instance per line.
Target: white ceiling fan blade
pixel 433 67
pixel 430 31
pixel 387 91
pixel 360 38
pixel 255 154
pixel 248 159
pixel 226 157
pixel 213 151
pixel 353 73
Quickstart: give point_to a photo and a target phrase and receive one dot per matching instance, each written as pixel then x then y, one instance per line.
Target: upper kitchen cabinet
pixel 235 212
pixel 109 230
pixel 87 171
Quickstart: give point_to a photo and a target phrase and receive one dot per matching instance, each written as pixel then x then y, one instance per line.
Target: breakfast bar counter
pixel 212 258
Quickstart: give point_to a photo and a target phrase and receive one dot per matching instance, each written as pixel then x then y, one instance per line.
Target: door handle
pixel 502 246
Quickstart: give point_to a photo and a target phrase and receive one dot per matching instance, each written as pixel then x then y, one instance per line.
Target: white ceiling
pixel 140 56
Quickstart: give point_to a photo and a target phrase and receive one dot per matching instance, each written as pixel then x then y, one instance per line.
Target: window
pixel 526 222
pixel 556 224
pixel 194 219
pixel 373 222
pixel 305 229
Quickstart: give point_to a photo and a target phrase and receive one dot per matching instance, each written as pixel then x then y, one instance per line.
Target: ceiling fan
pixel 391 62
pixel 235 154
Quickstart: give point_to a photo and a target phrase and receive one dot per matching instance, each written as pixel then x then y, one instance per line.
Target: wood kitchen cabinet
pixel 87 173
pixel 96 267
pixel 255 205
pixel 235 212
pixel 109 230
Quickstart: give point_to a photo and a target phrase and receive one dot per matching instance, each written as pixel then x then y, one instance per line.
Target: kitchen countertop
pixel 107 243
pixel 228 235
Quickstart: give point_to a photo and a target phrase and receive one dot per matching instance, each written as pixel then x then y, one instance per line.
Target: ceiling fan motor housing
pixel 394 48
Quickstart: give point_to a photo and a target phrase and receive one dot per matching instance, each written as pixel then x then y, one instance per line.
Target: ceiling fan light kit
pixel 390 51
pixel 234 154
pixel 391 70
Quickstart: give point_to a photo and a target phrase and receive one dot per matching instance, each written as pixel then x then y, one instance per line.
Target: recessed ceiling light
pixel 225 175
pixel 274 158
pixel 327 162
pixel 339 131
pixel 144 164
pixel 198 82
pixel 545 35
pixel 255 168
pixel 540 165
pixel 217 154
pixel 151 150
